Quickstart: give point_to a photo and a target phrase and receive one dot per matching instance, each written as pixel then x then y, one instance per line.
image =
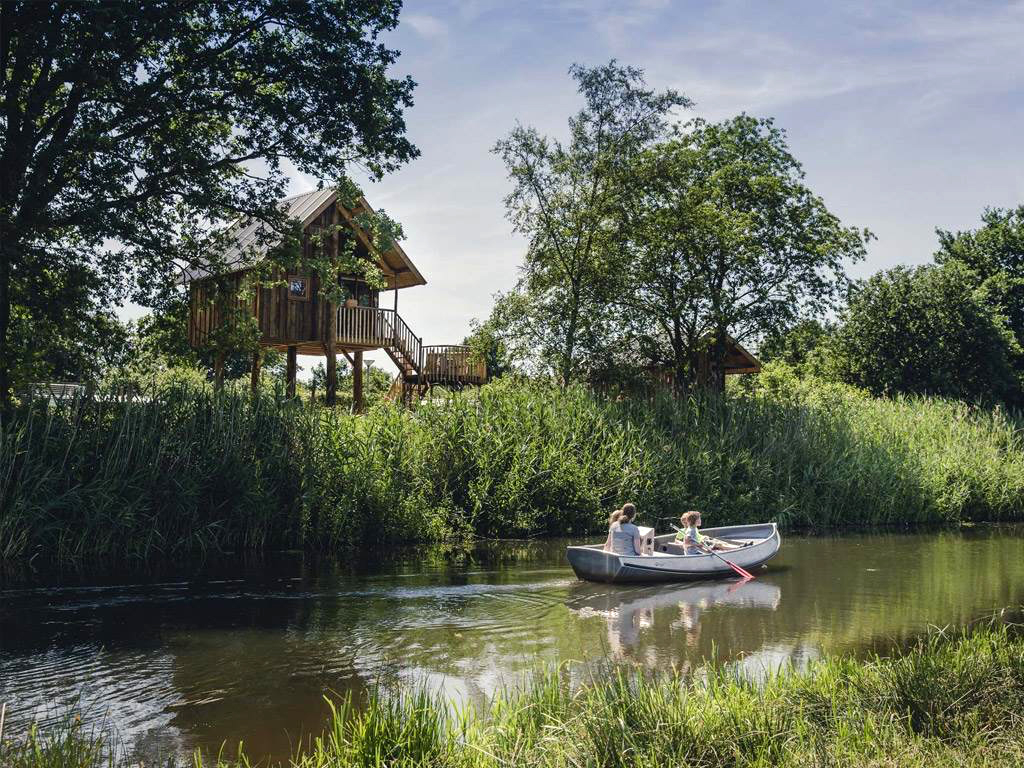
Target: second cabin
pixel 294 315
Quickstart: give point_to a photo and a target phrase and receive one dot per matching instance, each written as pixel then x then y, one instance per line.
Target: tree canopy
pixel 561 199
pixel 129 130
pixel 929 331
pixel 722 238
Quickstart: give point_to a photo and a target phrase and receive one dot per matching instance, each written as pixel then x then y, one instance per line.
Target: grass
pixel 952 699
pixel 188 470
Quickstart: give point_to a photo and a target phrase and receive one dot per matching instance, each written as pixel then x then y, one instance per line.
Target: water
pixel 231 650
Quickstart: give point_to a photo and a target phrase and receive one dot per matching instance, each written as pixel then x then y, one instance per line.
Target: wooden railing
pixel 453 362
pixel 374 327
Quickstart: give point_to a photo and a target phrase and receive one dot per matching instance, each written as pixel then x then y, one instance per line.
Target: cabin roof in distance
pixel 250 245
pixel 738 359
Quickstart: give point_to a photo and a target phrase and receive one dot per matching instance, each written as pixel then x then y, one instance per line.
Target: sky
pixel 905 116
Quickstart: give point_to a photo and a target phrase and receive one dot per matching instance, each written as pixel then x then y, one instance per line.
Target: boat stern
pixel 593 564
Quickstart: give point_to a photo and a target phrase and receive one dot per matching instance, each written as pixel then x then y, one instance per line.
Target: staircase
pixel 419 367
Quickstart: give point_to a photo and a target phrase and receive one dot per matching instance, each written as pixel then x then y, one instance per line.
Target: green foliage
pixel 723 238
pixel 186 469
pixel 562 196
pixel 802 345
pixel 948 700
pixel 995 254
pixel 926 331
pixel 132 128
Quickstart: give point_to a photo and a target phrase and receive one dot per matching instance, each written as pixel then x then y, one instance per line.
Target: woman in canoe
pixel 623 536
pixel 695 542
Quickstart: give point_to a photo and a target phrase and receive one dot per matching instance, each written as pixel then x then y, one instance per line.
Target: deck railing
pixel 453 362
pixel 375 327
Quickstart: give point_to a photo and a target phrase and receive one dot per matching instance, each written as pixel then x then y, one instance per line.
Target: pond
pixel 246 651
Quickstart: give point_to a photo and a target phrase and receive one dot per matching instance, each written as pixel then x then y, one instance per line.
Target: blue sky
pixel 906 116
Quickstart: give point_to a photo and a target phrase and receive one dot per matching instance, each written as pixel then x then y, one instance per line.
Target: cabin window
pixel 298 287
pixel 360 291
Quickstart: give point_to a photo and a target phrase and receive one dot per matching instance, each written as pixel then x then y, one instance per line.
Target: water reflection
pixel 669 616
pixel 231 651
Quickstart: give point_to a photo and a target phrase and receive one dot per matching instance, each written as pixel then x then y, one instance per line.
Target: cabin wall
pixel 284 318
pixel 205 312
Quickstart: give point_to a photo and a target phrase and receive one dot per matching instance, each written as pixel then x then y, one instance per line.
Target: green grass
pixel 189 470
pixel 954 699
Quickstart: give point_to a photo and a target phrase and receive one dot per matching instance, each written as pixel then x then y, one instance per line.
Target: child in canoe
pixel 695 542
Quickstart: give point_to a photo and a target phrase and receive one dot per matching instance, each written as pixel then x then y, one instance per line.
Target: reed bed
pixel 953 699
pixel 187 470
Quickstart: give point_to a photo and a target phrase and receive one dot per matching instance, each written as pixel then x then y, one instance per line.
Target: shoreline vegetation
pixel 952 698
pixel 187 470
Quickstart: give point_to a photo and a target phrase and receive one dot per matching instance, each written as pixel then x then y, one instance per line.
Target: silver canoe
pixel 592 563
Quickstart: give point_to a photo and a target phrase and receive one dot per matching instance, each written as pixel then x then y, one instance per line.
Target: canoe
pixel 667 563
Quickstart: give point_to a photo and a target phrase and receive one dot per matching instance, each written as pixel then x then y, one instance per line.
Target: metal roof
pixel 251 239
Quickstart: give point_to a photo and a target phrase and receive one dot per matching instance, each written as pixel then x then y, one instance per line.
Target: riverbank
pixel 187 470
pixel 951 699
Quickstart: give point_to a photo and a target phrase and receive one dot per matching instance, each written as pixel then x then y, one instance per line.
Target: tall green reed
pixel 189 470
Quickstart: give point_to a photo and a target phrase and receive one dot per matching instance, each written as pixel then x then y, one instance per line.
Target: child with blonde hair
pixel 695 542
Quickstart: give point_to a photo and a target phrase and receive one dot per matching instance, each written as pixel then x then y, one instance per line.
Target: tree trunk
pixel 290 371
pixel 331 328
pixel 6 401
pixel 716 363
pixel 218 371
pixel 357 382
pixel 570 341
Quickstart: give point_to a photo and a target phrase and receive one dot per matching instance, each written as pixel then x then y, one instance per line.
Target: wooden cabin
pixel 737 360
pixel 296 318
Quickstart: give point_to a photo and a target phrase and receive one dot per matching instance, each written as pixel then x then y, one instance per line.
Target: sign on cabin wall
pixel 298 287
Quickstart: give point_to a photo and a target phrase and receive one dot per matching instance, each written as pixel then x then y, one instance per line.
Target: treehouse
pixel 293 313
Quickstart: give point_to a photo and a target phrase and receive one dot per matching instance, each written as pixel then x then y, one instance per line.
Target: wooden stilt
pixel 290 370
pixel 332 359
pixel 254 371
pixel 218 371
pixel 357 382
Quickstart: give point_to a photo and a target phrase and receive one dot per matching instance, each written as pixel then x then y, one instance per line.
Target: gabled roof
pixel 738 359
pixel 249 243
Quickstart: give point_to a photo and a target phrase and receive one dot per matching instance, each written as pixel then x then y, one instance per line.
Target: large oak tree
pixel 129 130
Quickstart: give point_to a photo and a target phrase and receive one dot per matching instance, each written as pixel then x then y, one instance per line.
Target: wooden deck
pixel 419 366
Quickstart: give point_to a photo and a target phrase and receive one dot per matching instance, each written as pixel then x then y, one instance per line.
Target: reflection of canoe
pixel 589 598
pixel 594 564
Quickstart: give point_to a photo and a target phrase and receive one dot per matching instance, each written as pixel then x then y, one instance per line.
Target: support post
pixel 290 371
pixel 396 300
pixel 218 371
pixel 254 371
pixel 357 382
pixel 331 384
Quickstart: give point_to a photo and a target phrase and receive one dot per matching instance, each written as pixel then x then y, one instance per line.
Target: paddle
pixel 742 572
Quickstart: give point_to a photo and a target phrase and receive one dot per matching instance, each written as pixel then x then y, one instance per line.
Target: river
pixel 230 650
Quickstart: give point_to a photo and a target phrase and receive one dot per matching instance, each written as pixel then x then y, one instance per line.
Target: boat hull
pixel 592 563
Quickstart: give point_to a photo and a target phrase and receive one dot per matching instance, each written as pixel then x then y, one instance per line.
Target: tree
pixel 799 345
pixel 926 331
pixel 561 200
pixel 722 238
pixel 995 254
pixel 130 130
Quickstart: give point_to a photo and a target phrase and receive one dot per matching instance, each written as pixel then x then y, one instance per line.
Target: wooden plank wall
pixel 282 320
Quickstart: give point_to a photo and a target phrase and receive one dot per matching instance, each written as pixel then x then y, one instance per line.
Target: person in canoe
pixel 695 542
pixel 623 537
